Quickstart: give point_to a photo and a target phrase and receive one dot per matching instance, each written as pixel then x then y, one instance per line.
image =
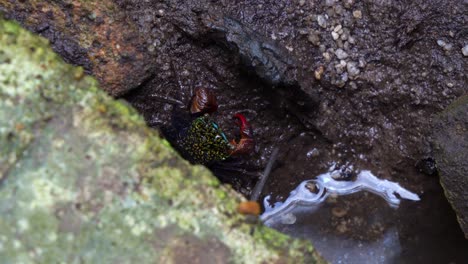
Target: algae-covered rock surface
pixel 451 152
pixel 83 180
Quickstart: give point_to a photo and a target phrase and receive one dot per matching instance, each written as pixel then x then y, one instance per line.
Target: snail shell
pixel 203 101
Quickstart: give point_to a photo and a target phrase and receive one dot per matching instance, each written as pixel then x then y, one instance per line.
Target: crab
pixel 201 140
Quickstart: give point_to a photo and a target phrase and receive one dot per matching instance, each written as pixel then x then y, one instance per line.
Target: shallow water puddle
pixel 305 213
pixel 312 193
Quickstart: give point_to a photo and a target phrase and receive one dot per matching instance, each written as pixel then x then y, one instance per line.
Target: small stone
pixel 318 75
pixel 351 40
pixel 314 38
pixel 322 48
pixel 362 63
pixel 352 69
pixel 339 43
pixel 335 35
pixel 301 2
pixel 449 85
pixel 313 152
pixel 357 14
pixel 441 43
pixel 341 54
pixel 465 51
pixel 337 28
pixel 448 47
pixel 346 45
pixel 321 21
pixel 326 56
pixel 344 36
pixel 339 68
pixel 312 187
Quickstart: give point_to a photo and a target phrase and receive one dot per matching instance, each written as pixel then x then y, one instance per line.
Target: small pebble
pixel 344 36
pixel 314 38
pixel 321 21
pixel 341 54
pixel 312 187
pixel 314 152
pixel 441 43
pixel 337 28
pixel 352 69
pixel 465 51
pixel 344 79
pixel 301 2
pixel 446 46
pixel 335 35
pixel 357 14
pixel 318 75
pixel 326 56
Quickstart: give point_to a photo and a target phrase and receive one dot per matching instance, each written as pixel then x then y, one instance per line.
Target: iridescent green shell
pixel 205 142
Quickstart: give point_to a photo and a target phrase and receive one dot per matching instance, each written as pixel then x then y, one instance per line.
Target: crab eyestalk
pixel 203 102
pixel 246 143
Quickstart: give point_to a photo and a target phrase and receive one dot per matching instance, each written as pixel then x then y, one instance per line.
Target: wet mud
pixel 346 82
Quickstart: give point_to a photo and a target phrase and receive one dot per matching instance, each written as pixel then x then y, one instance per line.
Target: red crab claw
pixel 246 143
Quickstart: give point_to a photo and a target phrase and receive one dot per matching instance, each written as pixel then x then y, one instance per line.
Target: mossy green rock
pixel 83 180
pixel 450 140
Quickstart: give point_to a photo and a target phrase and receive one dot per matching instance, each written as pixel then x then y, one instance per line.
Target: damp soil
pixel 327 82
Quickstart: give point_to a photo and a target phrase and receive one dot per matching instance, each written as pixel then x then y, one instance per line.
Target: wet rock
pixel 451 149
pixel 83 179
pixel 105 44
pixel 270 61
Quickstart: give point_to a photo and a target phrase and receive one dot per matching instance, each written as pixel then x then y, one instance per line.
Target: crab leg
pixel 246 143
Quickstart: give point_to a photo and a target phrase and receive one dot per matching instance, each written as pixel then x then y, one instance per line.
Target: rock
pixel 352 69
pixel 337 28
pixel 341 54
pixel 335 35
pixel 314 38
pixel 446 46
pixel 83 179
pixel 450 142
pixel 318 73
pixel 357 14
pixel 321 21
pixel 465 51
pixel 119 67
